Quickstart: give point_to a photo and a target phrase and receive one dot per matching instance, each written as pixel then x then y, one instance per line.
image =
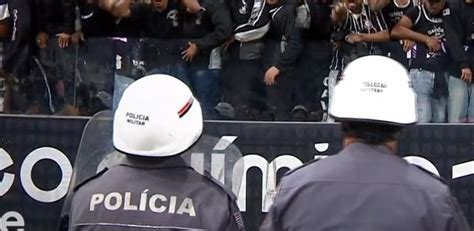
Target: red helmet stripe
pixel 185 108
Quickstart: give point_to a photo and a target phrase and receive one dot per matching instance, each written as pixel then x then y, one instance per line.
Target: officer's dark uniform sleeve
pixel 226 216
pixel 453 28
pixel 220 17
pixel 292 35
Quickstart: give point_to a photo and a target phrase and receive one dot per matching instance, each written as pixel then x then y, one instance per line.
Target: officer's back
pixel 157 121
pixel 367 187
pixel 151 195
pixel 363 188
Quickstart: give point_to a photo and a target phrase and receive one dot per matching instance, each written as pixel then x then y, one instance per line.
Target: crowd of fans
pixel 244 59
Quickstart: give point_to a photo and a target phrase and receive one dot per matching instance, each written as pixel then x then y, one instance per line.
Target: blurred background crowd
pixel 272 60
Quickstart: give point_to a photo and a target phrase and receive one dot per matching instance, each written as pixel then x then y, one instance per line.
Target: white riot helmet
pixel 374 89
pixel 157 116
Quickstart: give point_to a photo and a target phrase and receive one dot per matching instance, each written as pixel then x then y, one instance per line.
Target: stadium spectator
pixel 96 58
pixel 459 41
pixel 242 75
pixel 54 21
pixel 424 25
pixel 281 53
pixel 17 55
pixel 158 50
pixel 361 30
pixel 311 97
pixel 183 35
pixel 98 54
pixel 358 31
pixel 393 11
pixel 470 18
pixel 205 26
pixel 159 26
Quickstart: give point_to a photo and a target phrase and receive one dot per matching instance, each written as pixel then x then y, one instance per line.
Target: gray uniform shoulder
pixel 310 170
pixel 97 175
pixel 426 180
pixel 342 167
pixel 300 167
pixel 219 186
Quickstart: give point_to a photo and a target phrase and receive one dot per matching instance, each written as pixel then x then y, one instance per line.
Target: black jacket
pixel 283 43
pixel 457 34
pixel 17 48
pixel 320 27
pixel 156 24
pixel 208 29
pixel 54 16
pixel 248 15
pixel 96 22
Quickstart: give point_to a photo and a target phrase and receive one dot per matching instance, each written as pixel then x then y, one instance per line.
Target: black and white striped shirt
pixel 367 22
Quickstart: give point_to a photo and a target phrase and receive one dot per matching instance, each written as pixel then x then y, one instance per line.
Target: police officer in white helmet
pixel 153 187
pixel 367 187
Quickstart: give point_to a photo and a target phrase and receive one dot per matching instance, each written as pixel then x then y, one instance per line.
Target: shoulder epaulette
pixel 302 166
pixel 220 185
pixel 89 179
pixel 442 180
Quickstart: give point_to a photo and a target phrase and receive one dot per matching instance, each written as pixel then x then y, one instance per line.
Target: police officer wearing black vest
pixel 153 188
pixel 367 187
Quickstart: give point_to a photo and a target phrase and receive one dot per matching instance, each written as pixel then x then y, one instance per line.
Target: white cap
pixel 157 116
pixel 374 89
